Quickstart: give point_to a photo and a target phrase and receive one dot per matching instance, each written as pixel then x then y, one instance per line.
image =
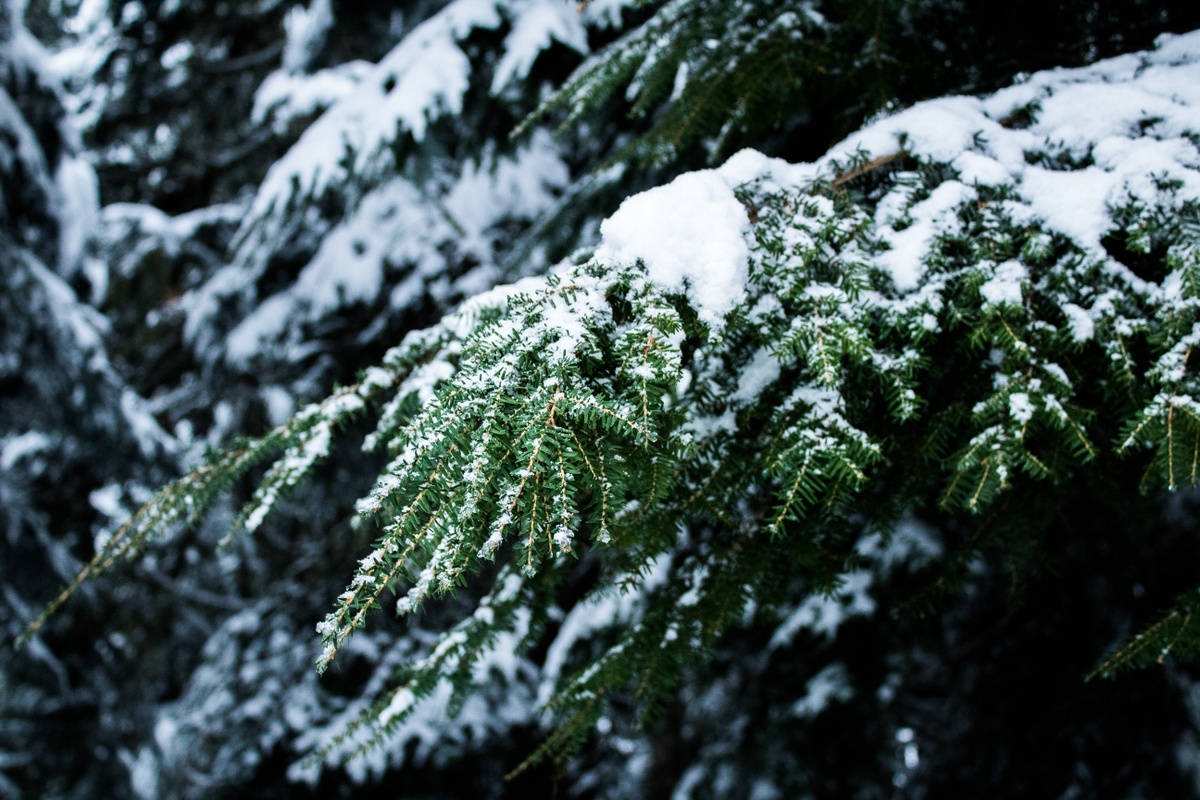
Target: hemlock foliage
pixel 790 475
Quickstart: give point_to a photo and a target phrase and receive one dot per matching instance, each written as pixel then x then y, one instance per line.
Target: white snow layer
pixel 306 29
pixel 284 96
pixel 690 236
pixel 400 225
pixel 79 200
pixel 16 447
pixel 536 25
pixel 1005 284
pixel 424 77
pixel 832 684
pixel 1136 117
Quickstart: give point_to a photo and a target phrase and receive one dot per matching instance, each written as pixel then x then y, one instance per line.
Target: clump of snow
pixel 936 213
pixel 17 447
pixel 832 684
pixel 79 196
pixel 823 614
pixel 1005 285
pixel 761 372
pixel 690 235
pixel 1020 407
pixel 1073 202
pixel 911 542
pixel 424 75
pixel 523 185
pixel 532 32
pixel 285 96
pixel 306 30
pixel 977 169
pixel 401 225
pixel 750 166
pixel 1082 327
pixel 107 501
pixel 606 13
pixel 423 78
pixel 1100 137
pixel 400 703
pixel 937 130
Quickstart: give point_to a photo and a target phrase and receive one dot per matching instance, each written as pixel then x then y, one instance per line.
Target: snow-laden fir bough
pixel 960 304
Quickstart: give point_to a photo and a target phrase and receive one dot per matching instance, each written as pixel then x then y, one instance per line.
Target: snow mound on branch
pixel 1073 144
pixel 424 78
pixel 425 75
pixel 403 225
pixel 690 234
pixel 537 25
pixel 374 231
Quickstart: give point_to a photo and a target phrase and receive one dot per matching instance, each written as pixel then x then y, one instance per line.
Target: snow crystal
pixel 563 538
pixel 689 234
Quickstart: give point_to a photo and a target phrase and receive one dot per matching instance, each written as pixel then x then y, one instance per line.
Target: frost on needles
pixel 958 308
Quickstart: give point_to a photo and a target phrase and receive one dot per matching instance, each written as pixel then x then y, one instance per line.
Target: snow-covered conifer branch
pixel 750 351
